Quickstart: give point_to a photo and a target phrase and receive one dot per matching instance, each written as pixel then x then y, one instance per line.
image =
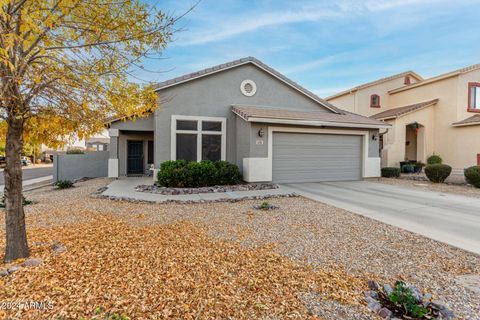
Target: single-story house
pixel 97 144
pixel 249 114
pixel 438 115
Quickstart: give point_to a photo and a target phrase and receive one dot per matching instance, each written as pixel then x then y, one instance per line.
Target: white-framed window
pixel 198 138
pixel 100 147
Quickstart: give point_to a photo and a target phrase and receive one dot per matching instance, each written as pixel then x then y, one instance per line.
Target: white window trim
pixel 199 133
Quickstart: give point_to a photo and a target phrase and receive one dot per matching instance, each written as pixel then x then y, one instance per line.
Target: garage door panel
pixel 299 157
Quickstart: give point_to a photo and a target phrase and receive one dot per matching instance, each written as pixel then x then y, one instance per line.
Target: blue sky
pixel 326 46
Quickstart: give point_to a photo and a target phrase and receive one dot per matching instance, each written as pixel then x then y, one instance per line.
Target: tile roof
pixel 262 113
pixel 437 78
pixel 470 121
pixel 239 62
pixel 378 81
pixel 400 111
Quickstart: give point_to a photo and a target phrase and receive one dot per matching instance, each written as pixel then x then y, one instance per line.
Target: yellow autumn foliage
pixel 66 64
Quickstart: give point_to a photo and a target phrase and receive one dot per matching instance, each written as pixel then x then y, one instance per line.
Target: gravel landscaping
pixel 420 182
pixel 311 257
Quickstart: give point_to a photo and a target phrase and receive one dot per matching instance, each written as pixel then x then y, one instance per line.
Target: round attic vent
pixel 248 88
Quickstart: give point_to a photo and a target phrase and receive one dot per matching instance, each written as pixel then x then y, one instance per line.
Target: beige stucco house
pixel 438 115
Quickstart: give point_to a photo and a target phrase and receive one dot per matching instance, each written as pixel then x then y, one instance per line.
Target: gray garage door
pixel 300 157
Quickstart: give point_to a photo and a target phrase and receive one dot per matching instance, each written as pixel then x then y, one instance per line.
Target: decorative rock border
pixel 97 194
pixel 156 189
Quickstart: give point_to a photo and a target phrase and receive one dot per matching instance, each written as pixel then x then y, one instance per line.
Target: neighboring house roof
pixel 401 111
pixel 98 140
pixel 313 118
pixel 240 62
pixel 470 121
pixel 437 78
pixel 373 83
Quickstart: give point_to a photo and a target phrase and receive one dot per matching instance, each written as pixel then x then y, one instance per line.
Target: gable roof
pixel 312 118
pixel 437 78
pixel 401 111
pixel 470 121
pixel 240 62
pixel 373 83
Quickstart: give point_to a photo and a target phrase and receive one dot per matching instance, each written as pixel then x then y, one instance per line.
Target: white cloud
pixel 239 26
pixel 224 27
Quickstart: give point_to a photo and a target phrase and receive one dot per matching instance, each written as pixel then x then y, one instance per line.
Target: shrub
pixel 75 151
pixel 63 184
pixel 172 174
pixel 227 173
pixel 182 174
pixel 472 175
pixel 434 159
pixel 437 172
pixel 403 296
pixel 48 160
pixel 390 172
pixel 200 174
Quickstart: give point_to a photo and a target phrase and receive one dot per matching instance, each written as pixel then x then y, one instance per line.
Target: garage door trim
pixel 271 130
pixel 313 157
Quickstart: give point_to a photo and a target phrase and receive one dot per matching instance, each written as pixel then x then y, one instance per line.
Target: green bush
pixel 437 172
pixel 75 151
pixel 183 174
pixel 200 174
pixel 390 172
pixel 403 297
pixel 227 173
pixel 172 173
pixel 63 184
pixel 434 159
pixel 472 175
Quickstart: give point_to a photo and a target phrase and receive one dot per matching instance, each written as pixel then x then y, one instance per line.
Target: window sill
pixel 375 107
pixel 473 110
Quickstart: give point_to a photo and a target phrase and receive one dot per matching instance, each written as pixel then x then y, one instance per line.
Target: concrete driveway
pixel 448 218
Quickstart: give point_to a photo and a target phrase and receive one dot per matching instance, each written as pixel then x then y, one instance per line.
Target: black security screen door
pixel 134 157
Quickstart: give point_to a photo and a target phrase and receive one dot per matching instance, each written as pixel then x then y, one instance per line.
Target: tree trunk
pixel 16 244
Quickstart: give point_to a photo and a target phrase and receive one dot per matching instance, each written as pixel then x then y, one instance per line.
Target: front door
pixel 134 157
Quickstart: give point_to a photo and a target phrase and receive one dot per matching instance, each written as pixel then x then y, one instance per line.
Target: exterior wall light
pixel 374 137
pixel 261 133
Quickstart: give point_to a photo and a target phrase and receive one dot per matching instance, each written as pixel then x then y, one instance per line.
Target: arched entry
pixel 415 142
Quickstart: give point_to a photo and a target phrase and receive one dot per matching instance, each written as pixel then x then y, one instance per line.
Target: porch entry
pixel 414 142
pixel 134 157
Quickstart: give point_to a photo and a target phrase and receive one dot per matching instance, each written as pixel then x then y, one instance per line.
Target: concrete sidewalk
pixel 125 188
pixel 30 182
pixel 448 218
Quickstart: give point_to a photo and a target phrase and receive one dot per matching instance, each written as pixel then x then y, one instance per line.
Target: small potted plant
pixel 408 168
pixel 419 166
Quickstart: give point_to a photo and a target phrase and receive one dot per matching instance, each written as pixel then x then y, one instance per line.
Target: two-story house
pixel 438 115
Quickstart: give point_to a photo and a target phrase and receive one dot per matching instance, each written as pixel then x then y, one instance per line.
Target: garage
pixel 307 157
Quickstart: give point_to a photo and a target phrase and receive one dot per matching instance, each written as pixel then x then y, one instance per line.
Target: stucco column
pixel 113 159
